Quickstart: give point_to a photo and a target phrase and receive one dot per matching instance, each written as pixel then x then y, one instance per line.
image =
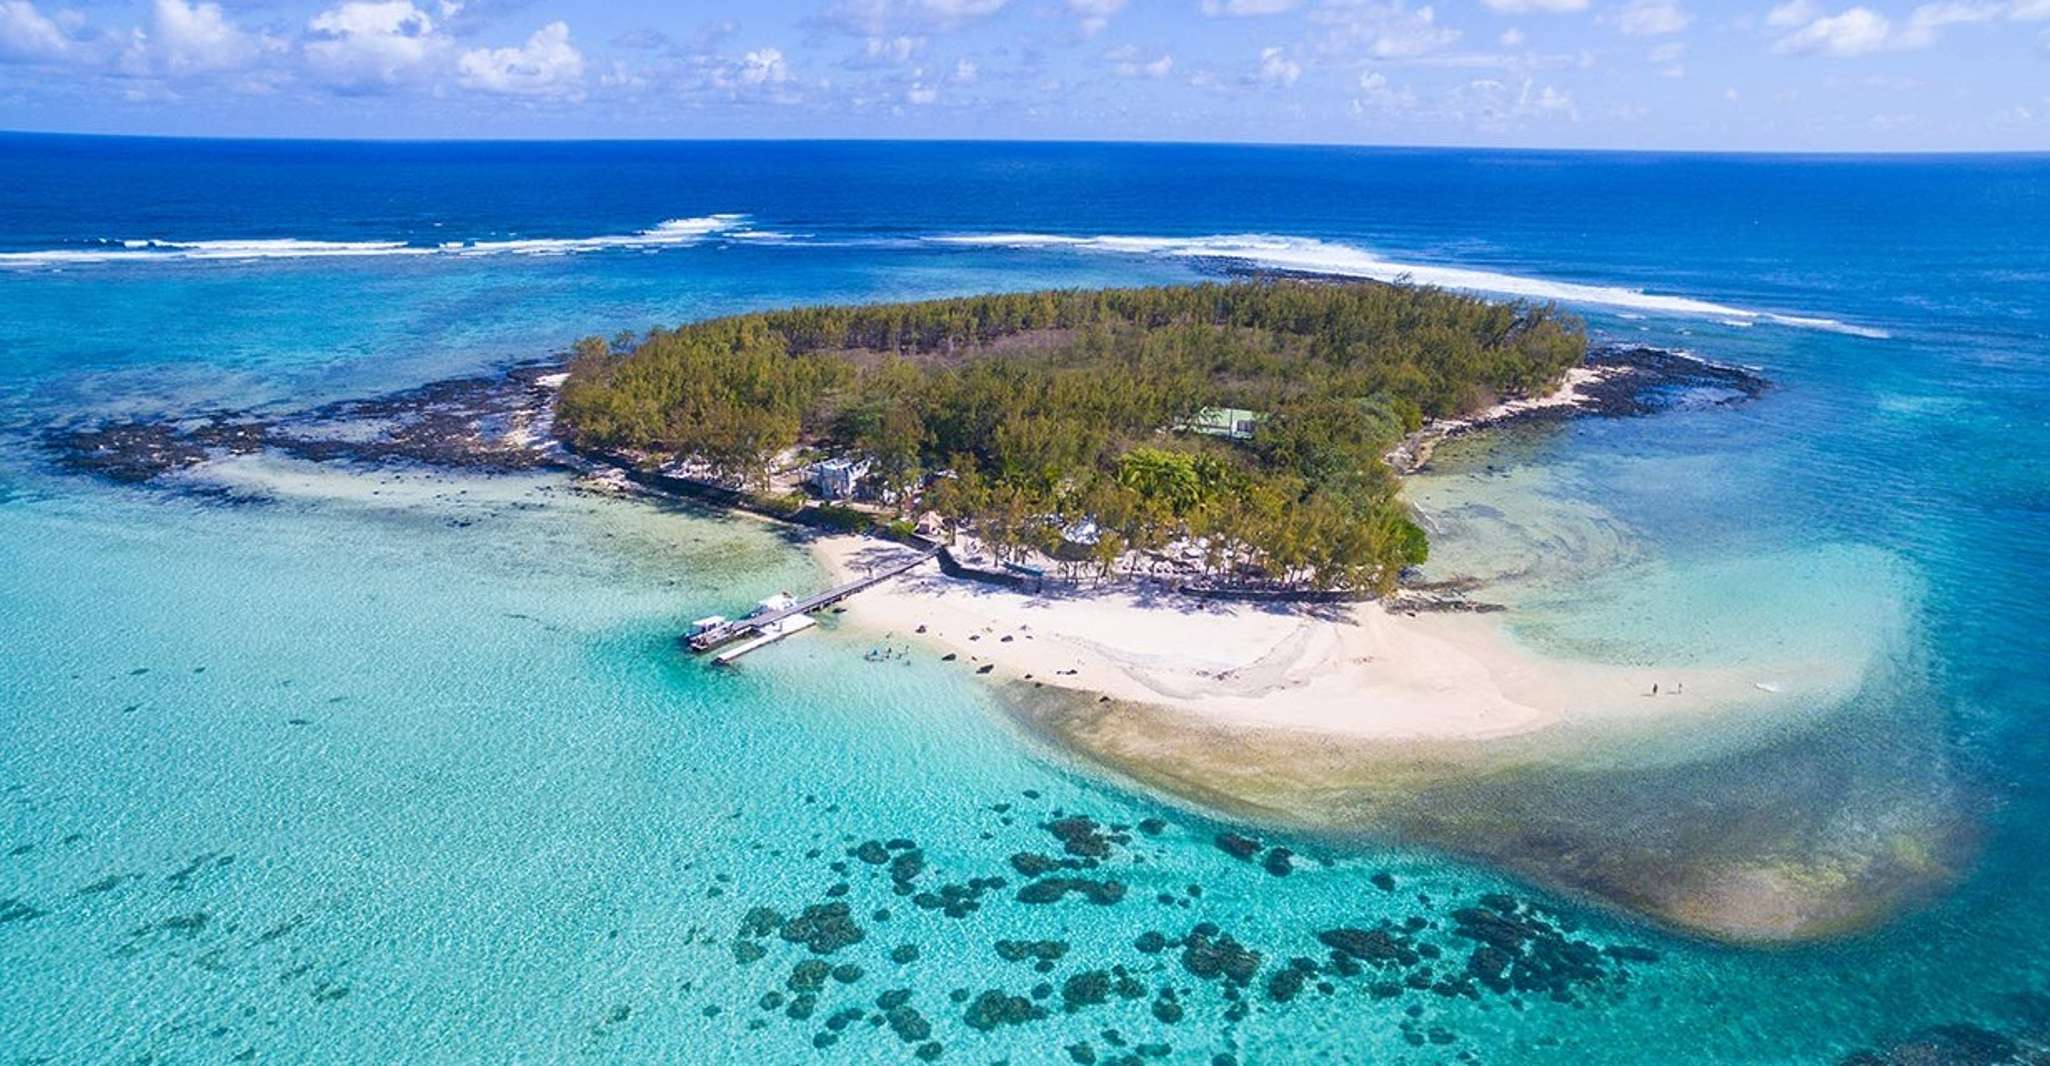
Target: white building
pixel 836 479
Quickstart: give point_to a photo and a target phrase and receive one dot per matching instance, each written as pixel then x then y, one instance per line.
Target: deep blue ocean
pixel 404 765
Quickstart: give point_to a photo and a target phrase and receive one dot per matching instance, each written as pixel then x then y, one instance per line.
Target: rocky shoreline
pixel 491 423
pixel 503 422
pixel 1617 381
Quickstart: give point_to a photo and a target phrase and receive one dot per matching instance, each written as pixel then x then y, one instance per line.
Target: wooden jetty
pixel 781 616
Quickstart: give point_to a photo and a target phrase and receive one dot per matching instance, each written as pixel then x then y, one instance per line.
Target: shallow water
pixel 422 752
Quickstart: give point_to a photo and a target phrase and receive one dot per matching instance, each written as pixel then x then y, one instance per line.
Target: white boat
pixel 768 635
pixel 779 602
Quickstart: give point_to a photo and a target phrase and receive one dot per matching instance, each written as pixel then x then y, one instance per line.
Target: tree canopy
pixel 1047 409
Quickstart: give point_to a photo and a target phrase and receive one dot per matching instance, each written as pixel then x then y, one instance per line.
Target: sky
pixel 1751 75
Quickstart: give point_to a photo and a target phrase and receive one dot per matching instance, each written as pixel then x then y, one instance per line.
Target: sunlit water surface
pixel 406 765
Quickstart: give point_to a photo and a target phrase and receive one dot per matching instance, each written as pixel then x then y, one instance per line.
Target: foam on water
pixel 1312 255
pixel 1307 254
pixel 510 798
pixel 670 233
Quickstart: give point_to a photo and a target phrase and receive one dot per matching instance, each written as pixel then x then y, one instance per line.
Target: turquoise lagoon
pixel 405 765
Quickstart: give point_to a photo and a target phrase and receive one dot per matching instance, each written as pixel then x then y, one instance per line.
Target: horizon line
pixel 1089 141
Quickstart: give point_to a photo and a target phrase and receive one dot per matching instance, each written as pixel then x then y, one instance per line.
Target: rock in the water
pixel 824 928
pixel 1054 889
pixel 1085 989
pixel 1376 946
pixel 1021 950
pixel 808 976
pixel 1208 954
pixel 994 1008
pixel 761 921
pixel 1238 847
pixel 1082 837
pixel 909 1025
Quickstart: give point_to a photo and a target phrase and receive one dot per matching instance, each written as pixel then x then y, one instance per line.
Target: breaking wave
pixel 675 231
pixel 1303 254
pixel 1312 256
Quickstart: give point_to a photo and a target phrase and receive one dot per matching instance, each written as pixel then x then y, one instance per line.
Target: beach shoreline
pixel 1361 671
pixel 1355 723
pixel 1416 718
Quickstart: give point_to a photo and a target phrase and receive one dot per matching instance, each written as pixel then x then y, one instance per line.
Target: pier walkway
pixel 769 621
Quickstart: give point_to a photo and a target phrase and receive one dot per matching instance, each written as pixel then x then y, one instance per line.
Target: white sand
pixel 1353 670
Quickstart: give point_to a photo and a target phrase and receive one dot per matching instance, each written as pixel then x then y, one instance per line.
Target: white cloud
pixel 1277 69
pixel 1863 31
pixel 1511 38
pixel 763 66
pixel 181 39
pixel 2030 10
pixel 760 75
pixel 1792 13
pixel 1491 104
pixel 1927 20
pixel 367 43
pixel 1254 8
pixel 1128 62
pixel 27 34
pixel 881 18
pixel 1385 29
pixel 621 76
pixel 1095 14
pixel 1652 18
pixel 962 9
pixel 1377 97
pixel 1527 7
pixel 897 49
pixel 1668 57
pixel 185 38
pixel 547 65
pixel 1547 100
pixel 1858 31
pixel 965 72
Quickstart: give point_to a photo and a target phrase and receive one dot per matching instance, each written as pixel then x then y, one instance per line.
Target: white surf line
pixel 671 233
pixel 1311 255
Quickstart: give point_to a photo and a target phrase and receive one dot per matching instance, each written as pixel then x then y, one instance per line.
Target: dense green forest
pixel 1050 408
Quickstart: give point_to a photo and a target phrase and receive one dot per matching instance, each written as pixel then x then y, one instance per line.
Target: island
pixel 1174 537
pixel 1228 435
pixel 1178 535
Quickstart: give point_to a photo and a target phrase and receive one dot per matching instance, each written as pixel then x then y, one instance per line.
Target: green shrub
pixel 846 519
pixel 780 503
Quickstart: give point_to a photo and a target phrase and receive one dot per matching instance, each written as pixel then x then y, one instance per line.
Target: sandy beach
pixel 1354 721
pixel 1358 671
